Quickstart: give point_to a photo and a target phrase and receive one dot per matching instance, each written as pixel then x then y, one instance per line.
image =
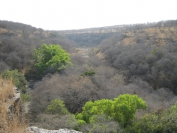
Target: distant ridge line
pixel 97 30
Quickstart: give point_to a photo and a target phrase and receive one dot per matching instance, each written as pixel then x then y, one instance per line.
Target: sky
pixel 79 14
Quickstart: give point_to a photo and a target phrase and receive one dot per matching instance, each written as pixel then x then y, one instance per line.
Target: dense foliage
pixel 149 56
pixel 122 109
pixel 50 58
pixel 161 121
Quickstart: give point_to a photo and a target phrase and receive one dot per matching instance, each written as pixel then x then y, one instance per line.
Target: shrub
pixel 101 124
pixel 57 107
pixel 163 122
pixel 88 73
pixel 17 78
pixel 51 122
pixel 25 97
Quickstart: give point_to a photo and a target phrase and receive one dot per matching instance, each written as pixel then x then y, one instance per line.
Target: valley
pixel 72 79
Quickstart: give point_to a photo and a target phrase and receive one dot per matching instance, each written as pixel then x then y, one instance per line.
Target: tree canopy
pixel 122 109
pixel 51 58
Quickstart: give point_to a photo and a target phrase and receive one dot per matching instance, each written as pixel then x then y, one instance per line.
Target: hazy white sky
pixel 77 14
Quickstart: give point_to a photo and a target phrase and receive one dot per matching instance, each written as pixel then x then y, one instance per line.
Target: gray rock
pixel 34 129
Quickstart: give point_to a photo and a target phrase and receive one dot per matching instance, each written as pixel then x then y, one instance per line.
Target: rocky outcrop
pixel 34 129
pixel 11 120
pixel 15 106
pixel 15 109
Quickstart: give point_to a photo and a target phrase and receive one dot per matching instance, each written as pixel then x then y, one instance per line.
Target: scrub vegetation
pixel 119 79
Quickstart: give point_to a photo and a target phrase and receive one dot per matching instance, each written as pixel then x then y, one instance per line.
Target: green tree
pixel 56 107
pixel 122 109
pixel 125 107
pixel 50 57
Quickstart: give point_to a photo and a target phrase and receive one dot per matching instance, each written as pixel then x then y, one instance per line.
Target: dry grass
pixel 130 40
pixel 6 90
pixel 9 122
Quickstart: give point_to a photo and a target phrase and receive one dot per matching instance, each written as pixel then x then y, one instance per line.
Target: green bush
pixel 122 109
pixel 158 122
pixel 56 107
pixel 25 97
pixel 51 58
pixel 88 73
pixel 17 78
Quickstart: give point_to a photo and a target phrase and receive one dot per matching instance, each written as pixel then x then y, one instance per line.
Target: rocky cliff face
pixel 15 106
pixel 11 118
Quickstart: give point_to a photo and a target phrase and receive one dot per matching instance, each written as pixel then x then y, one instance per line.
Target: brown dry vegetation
pixel 9 123
pixel 138 59
pixel 159 35
pixel 17 42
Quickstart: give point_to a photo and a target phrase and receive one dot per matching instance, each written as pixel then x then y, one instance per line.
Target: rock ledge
pixel 34 129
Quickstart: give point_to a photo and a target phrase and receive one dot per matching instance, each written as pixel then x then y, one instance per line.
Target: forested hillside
pixel 18 40
pixel 149 53
pixel 118 79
